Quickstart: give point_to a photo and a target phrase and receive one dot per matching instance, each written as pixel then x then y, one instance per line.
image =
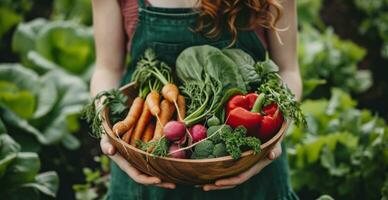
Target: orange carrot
pixel 149 132
pixel 141 124
pixel 181 107
pixel 133 114
pixel 153 100
pixel 166 113
pixel 127 135
pixel 170 92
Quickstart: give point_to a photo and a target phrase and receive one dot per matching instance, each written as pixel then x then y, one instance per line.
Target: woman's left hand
pixel 232 182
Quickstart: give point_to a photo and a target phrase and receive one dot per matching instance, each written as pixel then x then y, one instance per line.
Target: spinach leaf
pixel 245 64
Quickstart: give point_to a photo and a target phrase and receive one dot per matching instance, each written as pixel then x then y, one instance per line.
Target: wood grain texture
pixel 185 171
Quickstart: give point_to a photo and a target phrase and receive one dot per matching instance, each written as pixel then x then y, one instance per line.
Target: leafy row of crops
pixel 49 51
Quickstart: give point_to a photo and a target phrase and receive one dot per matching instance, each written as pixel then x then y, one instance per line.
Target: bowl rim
pixel 109 132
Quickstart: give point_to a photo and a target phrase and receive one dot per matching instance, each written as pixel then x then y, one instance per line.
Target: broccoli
pixel 213 121
pixel 203 149
pixel 220 150
pixel 213 129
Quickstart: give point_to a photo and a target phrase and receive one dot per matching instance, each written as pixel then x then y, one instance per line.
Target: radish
pixel 174 130
pixel 179 154
pixel 181 141
pixel 198 132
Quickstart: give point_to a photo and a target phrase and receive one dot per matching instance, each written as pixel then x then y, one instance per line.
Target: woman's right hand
pixel 109 150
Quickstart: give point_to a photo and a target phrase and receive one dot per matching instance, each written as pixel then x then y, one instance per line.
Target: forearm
pixel 110 46
pixel 293 80
pixel 283 47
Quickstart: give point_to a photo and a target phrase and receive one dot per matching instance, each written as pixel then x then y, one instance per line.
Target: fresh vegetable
pixel 203 149
pixel 174 130
pixel 206 74
pixel 158 148
pixel 149 132
pixel 166 114
pixel 127 135
pixel 153 101
pixel 213 121
pixel 215 129
pixel 133 115
pixel 271 122
pixel 141 124
pixel 235 141
pixel 277 92
pixel 240 111
pixel 181 107
pixel 92 112
pixel 198 132
pixel 219 150
pixel 176 154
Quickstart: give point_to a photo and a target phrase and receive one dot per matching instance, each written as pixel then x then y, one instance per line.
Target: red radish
pixel 181 141
pixel 198 132
pixel 179 154
pixel 174 130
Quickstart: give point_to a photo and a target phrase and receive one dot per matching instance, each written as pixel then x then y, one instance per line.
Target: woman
pixel 169 26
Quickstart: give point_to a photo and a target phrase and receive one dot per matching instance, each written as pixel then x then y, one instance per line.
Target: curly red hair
pixel 234 15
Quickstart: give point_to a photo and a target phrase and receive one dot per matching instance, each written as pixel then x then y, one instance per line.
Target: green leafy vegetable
pixel 235 141
pixel 92 112
pixel 159 148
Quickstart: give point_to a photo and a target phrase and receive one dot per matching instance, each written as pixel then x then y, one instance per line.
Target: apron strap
pixel 141 4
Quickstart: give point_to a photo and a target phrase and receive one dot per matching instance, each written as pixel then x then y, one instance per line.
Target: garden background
pixel 47 56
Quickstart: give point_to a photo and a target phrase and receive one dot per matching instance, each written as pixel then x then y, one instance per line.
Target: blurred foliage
pixel 343 148
pixel 51 102
pixel 96 181
pixel 76 10
pixel 11 13
pixel 327 60
pixel 375 24
pixel 66 44
pixel 19 178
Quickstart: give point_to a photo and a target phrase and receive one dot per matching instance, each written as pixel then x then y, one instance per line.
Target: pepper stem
pixel 258 103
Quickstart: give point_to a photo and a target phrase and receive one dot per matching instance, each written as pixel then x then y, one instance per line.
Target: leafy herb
pixel 160 148
pixel 276 91
pixel 117 103
pixel 235 141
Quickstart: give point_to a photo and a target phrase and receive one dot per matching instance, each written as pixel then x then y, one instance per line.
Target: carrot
pixel 141 124
pixel 149 132
pixel 133 114
pixel 153 100
pixel 166 113
pixel 127 135
pixel 170 92
pixel 181 107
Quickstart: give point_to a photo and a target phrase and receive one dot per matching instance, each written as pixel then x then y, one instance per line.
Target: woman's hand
pixel 232 182
pixel 108 149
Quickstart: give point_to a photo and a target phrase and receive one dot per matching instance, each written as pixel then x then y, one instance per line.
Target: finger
pixel 106 147
pixel 209 187
pixel 132 172
pixel 166 185
pixel 275 152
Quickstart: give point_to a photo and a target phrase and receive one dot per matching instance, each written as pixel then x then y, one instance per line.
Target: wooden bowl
pixel 185 171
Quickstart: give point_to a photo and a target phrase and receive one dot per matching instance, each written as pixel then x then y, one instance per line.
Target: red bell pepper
pixel 245 110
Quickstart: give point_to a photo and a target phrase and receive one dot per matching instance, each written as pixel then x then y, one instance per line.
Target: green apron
pixel 167 31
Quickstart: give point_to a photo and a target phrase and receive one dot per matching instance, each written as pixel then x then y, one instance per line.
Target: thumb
pixel 106 147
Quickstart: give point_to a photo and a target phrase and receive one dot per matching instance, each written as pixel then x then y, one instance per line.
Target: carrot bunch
pixel 158 101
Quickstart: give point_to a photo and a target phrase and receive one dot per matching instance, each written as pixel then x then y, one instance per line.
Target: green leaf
pixel 22 102
pixel 8 19
pixel 47 97
pixel 8 152
pixel 71 142
pixel 23 169
pixel 24 78
pixel 47 183
pixel 23 39
pixel 67 44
